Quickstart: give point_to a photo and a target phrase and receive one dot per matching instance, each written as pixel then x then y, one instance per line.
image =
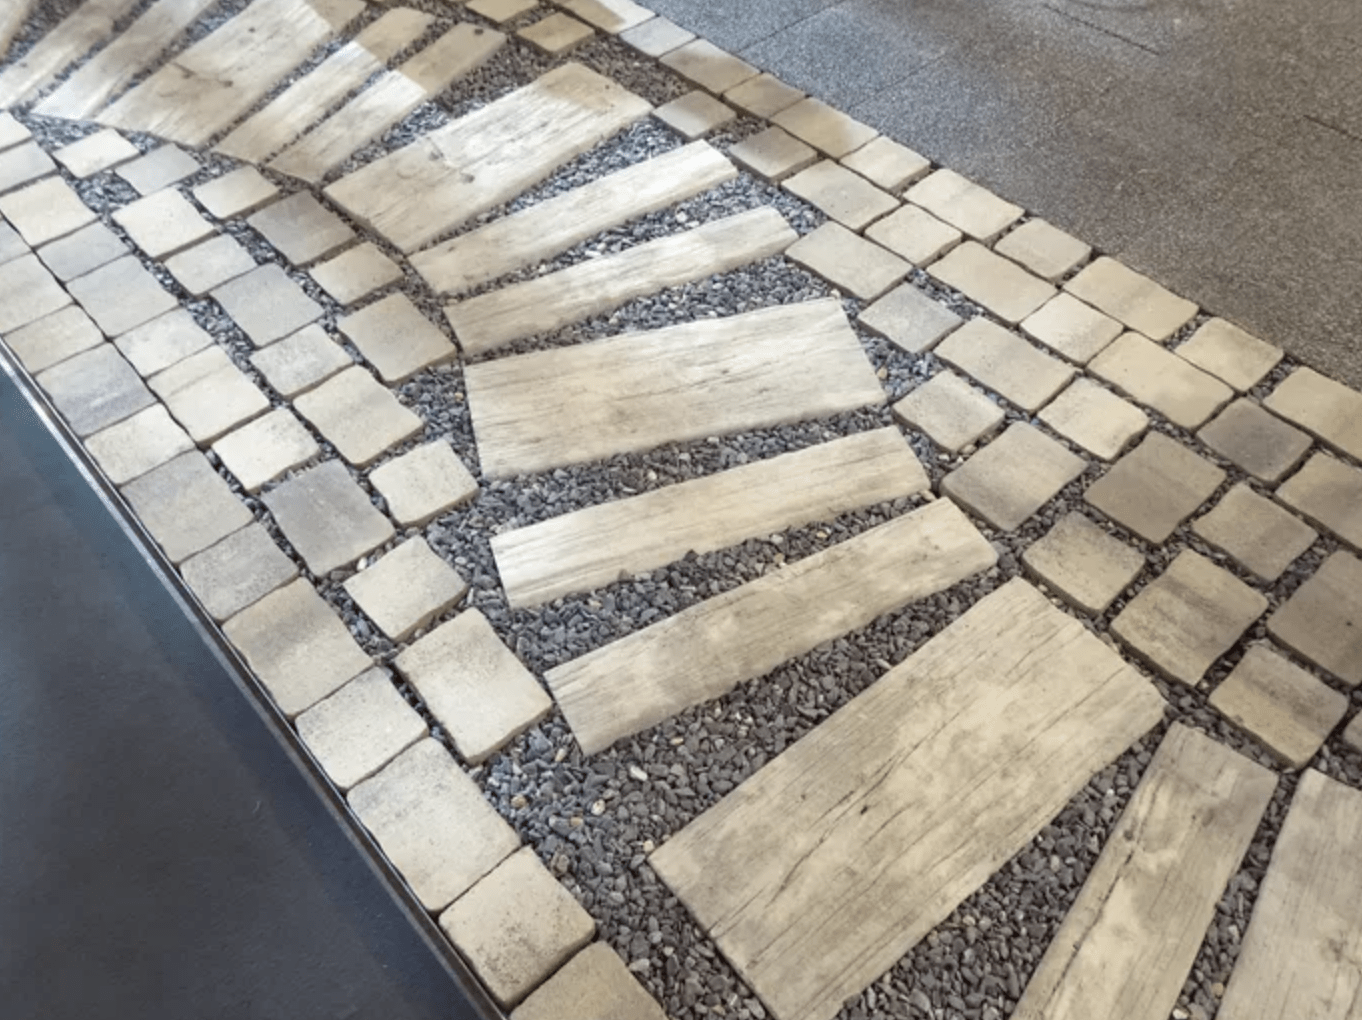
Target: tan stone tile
pixel 1322 621
pixel 24 164
pixel 27 293
pixel 1012 477
pixel 237 572
pixel 359 729
pixel 423 483
pixel 964 205
pixel 209 265
pixel 236 193
pixel 95 389
pixel 695 114
pixel 1230 354
pixel 1070 328
pixel 909 319
pixel 886 163
pixel 594 983
pixel 848 261
pixel 301 228
pixel 557 34
pixel 356 273
pixel 396 338
pixel 1136 300
pixel 1329 493
pixel 299 362
pixel 1187 618
pixel 773 154
pixel 950 411
pixel 826 128
pixel 217 402
pixel 266 448
pixel 406 589
pixel 708 66
pixel 135 445
pixel 266 304
pixel 1263 537
pixel 188 371
pixel 159 168
pixel 1155 487
pixel 846 197
pixel 1004 363
pixel 914 234
pixel 1322 407
pixel 82 252
pixel 11 244
pixel 45 211
pixel 1151 375
pixel 186 505
pixel 54 338
pixel 613 16
pixel 12 133
pixel 501 11
pixel 1044 249
pixel 360 417
pixel 1001 286
pixel 1087 567
pixel 121 296
pixel 656 37
pixel 163 223
pixel 164 341
pixel 327 518
pixel 1095 418
pixel 96 152
pixel 763 96
pixel 1260 443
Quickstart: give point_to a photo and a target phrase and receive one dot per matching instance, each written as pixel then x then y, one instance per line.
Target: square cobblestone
pixel 186 505
pixel 266 448
pixel 24 164
pixel 424 483
pixel 96 152
pixel 886 163
pixel 297 645
pixel 121 296
pixel 695 114
pixel 1281 704
pixel 188 371
pixel 1151 375
pixel 474 685
pixel 1155 487
pixel 1004 363
pixel 135 445
pixel 1322 407
pixel 299 362
pixel 1260 443
pixel 267 304
pixel 656 37
pixel 501 11
pixel 236 193
pixel 842 195
pixel 406 589
pixel 1087 567
pixel 763 96
pixel 28 293
pixel 11 244
pixel 396 338
pixel 708 66
pixel 594 983
pixel 359 729
pixel 914 234
pixel 773 154
pixel 951 412
pixel 826 128
pixel 209 265
pixel 82 252
pixel 1131 297
pixel 301 228
pixel 356 273
pixel 1322 621
pixel 1012 477
pixel 54 338
pixel 1263 537
pixel 163 223
pixel 1070 328
pixel 1044 249
pixel 214 403
pixel 1095 418
pixel 613 16
pixel 1230 354
pixel 1000 285
pixel 327 518
pixel 358 415
pixel 909 319
pixel 95 389
pixel 12 133
pixel 1181 623
pixel 164 341
pixel 848 261
pixel 158 169
pixel 517 926
pixel 237 572
pixel 964 205
pixel 45 211
pixel 557 34
pixel 1329 493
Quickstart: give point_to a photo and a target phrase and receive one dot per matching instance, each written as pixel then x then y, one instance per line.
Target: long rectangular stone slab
pixel 1130 940
pixel 593 547
pixel 596 286
pixel 638 391
pixel 817 874
pixel 224 74
pixel 308 99
pixel 78 33
pixel 445 178
pixel 12 18
pixel 705 651
pixel 1299 958
pixel 542 231
pixel 459 51
pixel 126 56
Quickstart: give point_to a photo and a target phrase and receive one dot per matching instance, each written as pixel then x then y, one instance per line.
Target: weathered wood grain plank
pixel 1130 940
pixel 76 35
pixel 459 51
pixel 308 99
pixel 707 650
pixel 553 226
pixel 817 874
pixel 428 188
pixel 634 392
pixel 12 18
pixel 599 285
pixel 212 83
pixel 1302 956
pixel 593 547
pixel 122 60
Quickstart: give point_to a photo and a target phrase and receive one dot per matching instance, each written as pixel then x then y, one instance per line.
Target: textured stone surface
pixel 301 228
pixel 96 152
pixel 1044 249
pixel 265 449
pixel 1005 363
pixel 708 66
pixel 1263 537
pixel 209 265
pixel 188 371
pixel 1329 493
pixel 23 164
pixel 1068 327
pixel 1085 565
pixel 848 261
pixel 1134 299
pixel 557 34
pixel 695 114
pixel 474 685
pixel 1153 376
pixel 763 96
pixel 1094 418
pixel 1155 487
pixel 909 319
pixel 827 129
pixel 1322 407
pixel 501 10
pixel 82 252
pixel 423 483
pixel 656 37
pixel 356 273
pixel 964 205
pixel 238 571
pixel 327 518
pixel 406 589
pixel 517 926
pixel 300 362
pixel 45 211
pixel 1260 443
pixel 842 195
pixel 773 154
pixel 11 244
pixel 164 341
pixel 54 338
pixel 215 402
pixel 135 445
pixel 27 293
pixel 358 415
pixel 950 411
pixel 95 389
pixel 1012 477
pixel 297 645
pixel 593 985
pixel 1000 285
pixel 396 338
pixel 1322 621
pixel 266 304
pixel 432 822
pixel 1189 617
pixel 121 296
pixel 359 729
pixel 162 223
pixel 915 234
pixel 233 194
pixel 613 16
pixel 186 506
pixel 159 168
pixel 1230 354
pixel 886 163
pixel 1279 703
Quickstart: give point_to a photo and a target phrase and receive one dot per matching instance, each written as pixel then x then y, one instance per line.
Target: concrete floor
pixel 1213 144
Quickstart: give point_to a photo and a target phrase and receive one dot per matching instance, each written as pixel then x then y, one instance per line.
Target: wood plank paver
pixel 308 99
pixel 593 547
pixel 444 178
pixel 1129 941
pixel 705 651
pixel 641 390
pixel 462 49
pixel 1302 956
pixel 83 29
pixel 818 873
pixel 553 226
pixel 599 285
pixel 212 83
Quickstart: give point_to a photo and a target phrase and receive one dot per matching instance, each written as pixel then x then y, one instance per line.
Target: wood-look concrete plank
pixel 76 35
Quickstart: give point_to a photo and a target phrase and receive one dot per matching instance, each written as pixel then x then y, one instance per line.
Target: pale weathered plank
pixel 1129 941
pixel 78 33
pixel 308 99
pixel 553 226
pixel 599 285
pixel 122 60
pixel 816 875
pixel 705 651
pixel 428 188
pixel 462 49
pixel 12 18
pixel 220 77
pixel 1302 956
pixel 635 392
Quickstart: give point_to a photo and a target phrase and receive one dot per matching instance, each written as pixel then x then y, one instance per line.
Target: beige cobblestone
pixel 1085 565
pixel 1044 249
pixel 848 261
pixel 54 338
pixel 237 572
pixel 424 483
pixel 1155 487
pixel 695 114
pixel 1004 363
pixel 1095 418
pixel 1322 407
pixel 501 11
pixel 1070 328
pixel 135 445
pixel 914 234
pixel 557 34
pixel 159 168
pixel 24 164
pixel 964 205
pixel 656 37
pixel 209 265
pixel 358 415
pixel 12 133
pixel 359 729
pixel 301 228
pixel 164 341
pixel 121 296
pixel 406 589
pixel 1260 443
pixel 83 252
pixel 846 197
pixel 212 405
pixel 11 244
pixel 396 338
pixel 593 985
pixel 95 389
pixel 266 448
pixel 27 293
pixel 1263 537
pixel 708 66
pixel 1000 285
pixel 1279 703
pixel 1329 493
pixel 186 506
pixel 773 154
pixel 1151 375
pixel 356 273
pixel 327 518
pixel 302 361
pixel 1012 477
pixel 1230 354
pixel 827 129
pixel 1131 297
pixel 96 152
pixel 909 319
pixel 267 305
pixel 236 193
pixel 951 412
pixel 763 96
pixel 187 371
pixel 1322 621
pixel 163 223
pixel 886 163
pixel 613 16
pixel 45 211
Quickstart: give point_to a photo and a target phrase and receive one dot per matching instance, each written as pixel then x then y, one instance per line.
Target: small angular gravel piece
pixel 1263 537
pixel 360 728
pixel 1085 565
